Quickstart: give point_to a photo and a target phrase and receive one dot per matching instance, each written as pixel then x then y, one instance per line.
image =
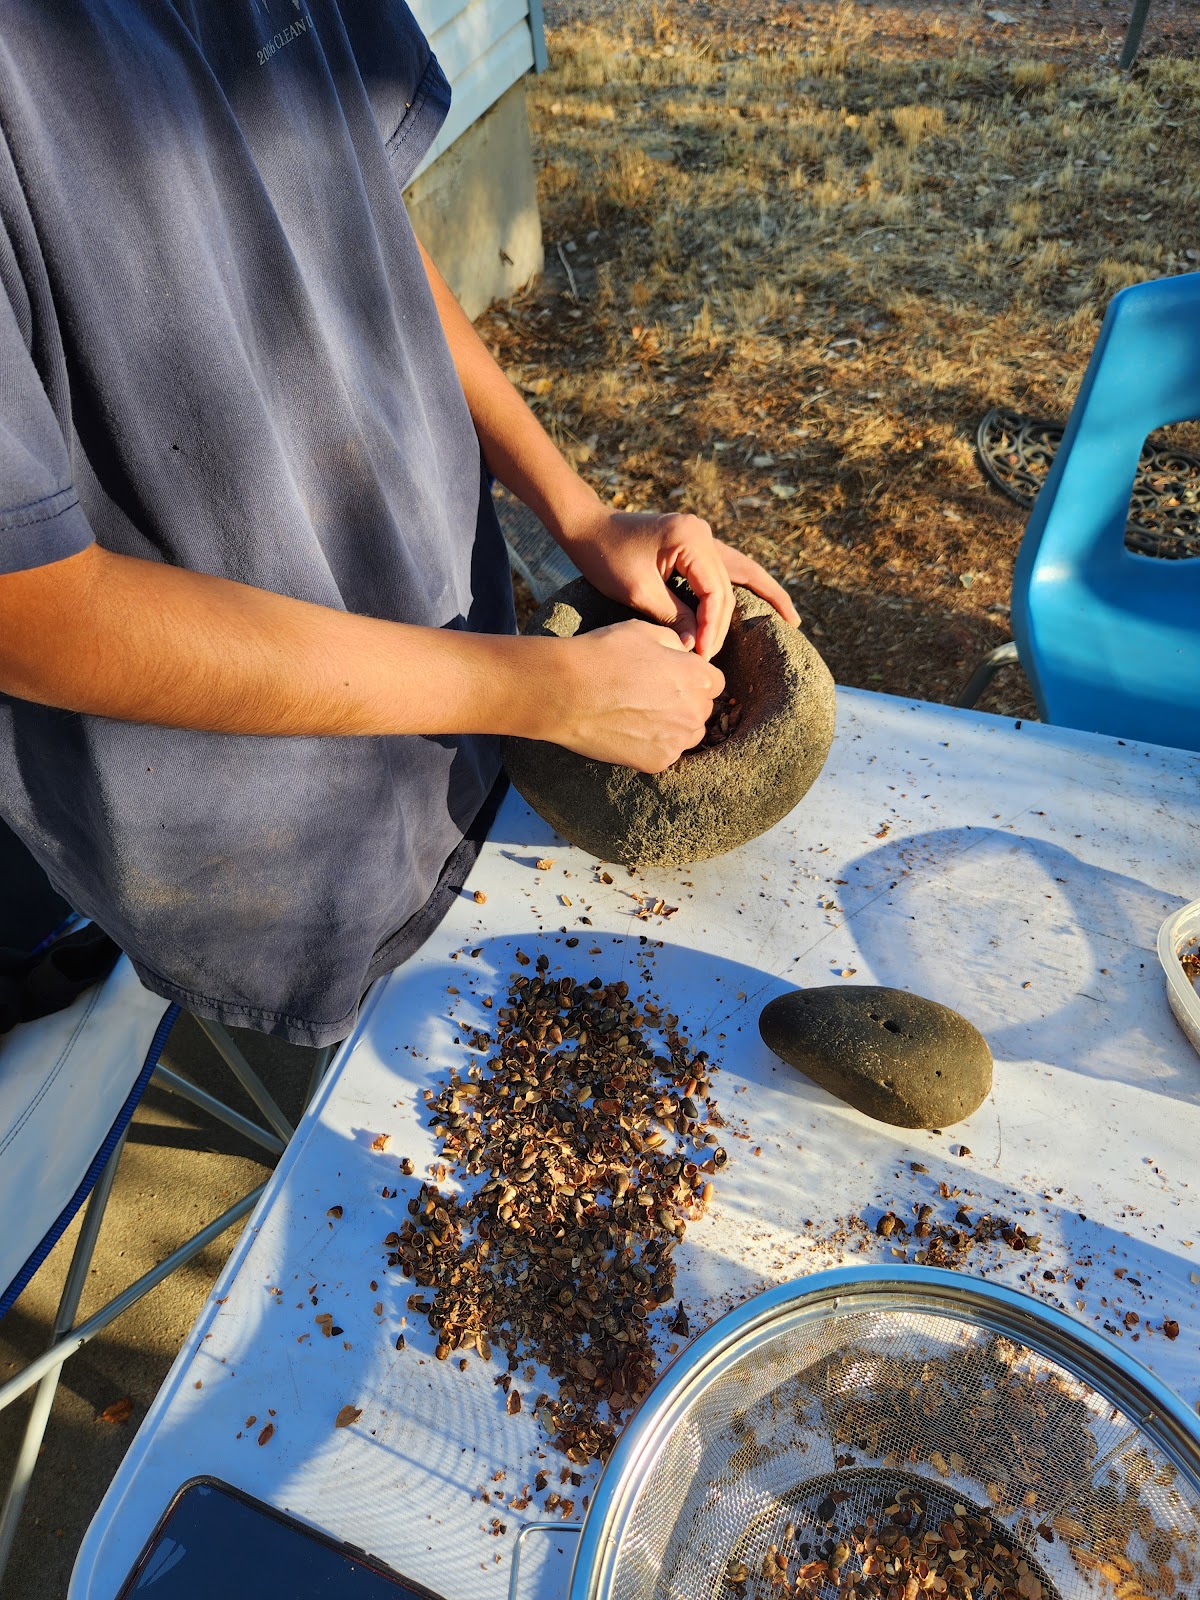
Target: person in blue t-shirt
pixel 255 620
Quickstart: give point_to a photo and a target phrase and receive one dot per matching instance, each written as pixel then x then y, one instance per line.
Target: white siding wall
pixel 484 46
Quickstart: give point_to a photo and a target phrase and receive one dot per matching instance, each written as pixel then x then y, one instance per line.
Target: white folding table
pixel 1016 873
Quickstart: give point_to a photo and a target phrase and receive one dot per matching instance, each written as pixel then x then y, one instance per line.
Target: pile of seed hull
pixel 896 1553
pixel 1027 1440
pixel 595 1148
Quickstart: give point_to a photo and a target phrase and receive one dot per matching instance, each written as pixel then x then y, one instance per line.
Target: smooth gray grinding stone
pixel 902 1059
pixel 713 799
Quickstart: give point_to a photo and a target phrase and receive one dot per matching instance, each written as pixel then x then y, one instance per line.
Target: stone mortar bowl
pixel 714 798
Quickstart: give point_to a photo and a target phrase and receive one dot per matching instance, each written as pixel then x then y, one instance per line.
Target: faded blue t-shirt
pixel 218 349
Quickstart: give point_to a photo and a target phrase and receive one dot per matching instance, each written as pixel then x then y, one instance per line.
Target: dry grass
pixel 806 272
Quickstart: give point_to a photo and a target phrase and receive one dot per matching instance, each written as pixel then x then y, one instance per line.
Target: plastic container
pixel 1180 935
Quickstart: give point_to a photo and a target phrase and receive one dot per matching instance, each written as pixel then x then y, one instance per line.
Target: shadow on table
pixel 961 915
pixel 840 1156
pixel 430 1442
pixel 1087 1266
pixel 263 1356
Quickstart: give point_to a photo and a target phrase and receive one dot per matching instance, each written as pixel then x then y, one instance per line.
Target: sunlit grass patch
pixel 919 122
pixel 809 260
pixel 702 488
pixel 752 307
pixel 1033 74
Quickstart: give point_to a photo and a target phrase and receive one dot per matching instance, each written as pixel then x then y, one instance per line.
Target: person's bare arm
pixel 627 555
pixel 145 642
pixel 518 450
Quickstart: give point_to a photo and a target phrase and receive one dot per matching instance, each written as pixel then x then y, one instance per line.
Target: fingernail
pixel 688 641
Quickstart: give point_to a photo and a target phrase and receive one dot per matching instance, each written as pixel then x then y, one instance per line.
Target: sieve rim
pixel 1090 1356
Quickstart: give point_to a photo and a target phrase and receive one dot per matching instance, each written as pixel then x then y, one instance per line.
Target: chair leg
pixel 247 1077
pixel 66 1338
pixel 1133 37
pixel 320 1067
pixel 43 1400
pixel 1004 655
pixel 174 1084
pixel 78 1337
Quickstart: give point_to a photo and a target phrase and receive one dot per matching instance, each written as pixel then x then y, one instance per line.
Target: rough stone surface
pixel 712 799
pixel 894 1055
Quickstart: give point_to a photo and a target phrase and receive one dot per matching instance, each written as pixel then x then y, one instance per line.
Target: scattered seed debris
pixel 117 1411
pixel 592 1129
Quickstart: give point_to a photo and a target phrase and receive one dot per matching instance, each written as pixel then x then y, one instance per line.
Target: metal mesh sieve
pixel 901 1435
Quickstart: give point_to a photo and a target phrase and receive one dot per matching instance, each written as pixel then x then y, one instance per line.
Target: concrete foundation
pixel 475 209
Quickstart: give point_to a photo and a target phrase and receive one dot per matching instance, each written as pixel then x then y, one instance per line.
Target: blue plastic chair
pixel 1110 639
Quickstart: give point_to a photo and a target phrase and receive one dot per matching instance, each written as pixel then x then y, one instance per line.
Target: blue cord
pixel 67 925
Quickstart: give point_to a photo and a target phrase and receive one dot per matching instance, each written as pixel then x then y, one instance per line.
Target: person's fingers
pixel 658 601
pixel 626 702
pixel 742 570
pixel 714 614
pixel 668 637
pixel 709 581
pixel 765 586
pixel 711 679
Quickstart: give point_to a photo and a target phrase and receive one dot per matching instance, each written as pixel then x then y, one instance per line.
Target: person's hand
pixel 631 555
pixel 630 694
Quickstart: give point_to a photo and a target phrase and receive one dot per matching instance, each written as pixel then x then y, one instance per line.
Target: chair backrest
pixel 66 1081
pixel 1109 638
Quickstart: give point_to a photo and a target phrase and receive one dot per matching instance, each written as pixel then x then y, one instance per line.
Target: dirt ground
pixel 796 251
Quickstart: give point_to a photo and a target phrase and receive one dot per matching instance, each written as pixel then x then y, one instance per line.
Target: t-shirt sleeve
pixel 41 519
pixel 409 92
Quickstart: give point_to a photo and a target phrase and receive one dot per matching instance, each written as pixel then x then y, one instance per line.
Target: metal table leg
pixel 1133 38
